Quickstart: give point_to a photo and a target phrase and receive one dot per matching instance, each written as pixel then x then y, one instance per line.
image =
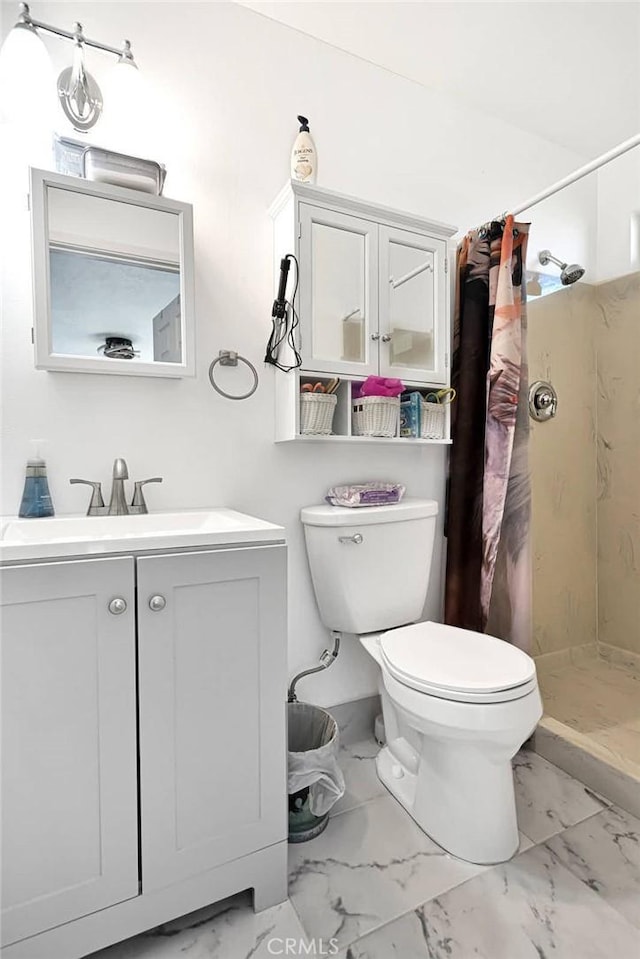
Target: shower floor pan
pixel 591 726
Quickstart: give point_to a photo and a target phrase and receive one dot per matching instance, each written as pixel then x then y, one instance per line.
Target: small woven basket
pixel 432 420
pixel 375 415
pixel 316 413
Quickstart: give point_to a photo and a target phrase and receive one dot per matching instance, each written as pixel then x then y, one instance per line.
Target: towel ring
pixel 230 358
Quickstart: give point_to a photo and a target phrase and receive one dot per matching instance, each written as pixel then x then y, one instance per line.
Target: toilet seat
pixel 457 664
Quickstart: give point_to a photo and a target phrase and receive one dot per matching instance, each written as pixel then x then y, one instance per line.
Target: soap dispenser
pixel 36 498
pixel 304 159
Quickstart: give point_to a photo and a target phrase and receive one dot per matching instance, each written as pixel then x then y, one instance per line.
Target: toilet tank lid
pixel 407 509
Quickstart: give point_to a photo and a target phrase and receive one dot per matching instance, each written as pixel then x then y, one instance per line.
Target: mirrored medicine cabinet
pixel 112 277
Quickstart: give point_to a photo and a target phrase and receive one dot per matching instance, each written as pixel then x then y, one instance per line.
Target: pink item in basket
pixel 381 386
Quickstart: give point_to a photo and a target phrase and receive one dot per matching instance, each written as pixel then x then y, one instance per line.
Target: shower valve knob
pixel 543 401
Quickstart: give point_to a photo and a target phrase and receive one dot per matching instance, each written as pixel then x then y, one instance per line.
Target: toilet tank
pixel 370 566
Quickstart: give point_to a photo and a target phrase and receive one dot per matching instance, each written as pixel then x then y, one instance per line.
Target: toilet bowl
pixel 457 704
pixel 451 735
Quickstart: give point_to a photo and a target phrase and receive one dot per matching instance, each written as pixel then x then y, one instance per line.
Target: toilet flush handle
pixel 357 538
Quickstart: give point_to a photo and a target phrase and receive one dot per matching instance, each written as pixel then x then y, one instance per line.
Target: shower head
pixel 569 272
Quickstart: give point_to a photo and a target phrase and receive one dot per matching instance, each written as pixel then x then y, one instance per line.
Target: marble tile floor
pixel 373 886
pixel 600 700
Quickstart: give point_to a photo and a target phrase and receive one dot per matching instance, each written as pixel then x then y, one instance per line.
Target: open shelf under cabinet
pixel 288 417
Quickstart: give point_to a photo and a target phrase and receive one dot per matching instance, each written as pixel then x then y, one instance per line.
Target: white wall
pixel 227 85
pixel 565 223
pixel 618 228
pixel 568 71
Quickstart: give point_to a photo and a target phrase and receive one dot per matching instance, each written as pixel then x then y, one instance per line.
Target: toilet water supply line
pixel 327 658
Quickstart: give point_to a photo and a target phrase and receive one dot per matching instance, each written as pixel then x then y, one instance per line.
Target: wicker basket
pixel 375 415
pixel 316 413
pixel 432 420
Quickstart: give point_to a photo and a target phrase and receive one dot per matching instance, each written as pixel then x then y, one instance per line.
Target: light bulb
pixel 27 85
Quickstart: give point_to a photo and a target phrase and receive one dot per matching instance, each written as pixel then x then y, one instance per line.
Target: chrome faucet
pixel 118 501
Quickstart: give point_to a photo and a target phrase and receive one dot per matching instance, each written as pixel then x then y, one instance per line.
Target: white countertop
pixel 59 536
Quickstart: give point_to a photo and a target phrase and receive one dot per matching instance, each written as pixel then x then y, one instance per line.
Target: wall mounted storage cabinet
pixel 94 852
pixel 373 293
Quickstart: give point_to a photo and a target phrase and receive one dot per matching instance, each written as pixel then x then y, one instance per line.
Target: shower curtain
pixel 488 580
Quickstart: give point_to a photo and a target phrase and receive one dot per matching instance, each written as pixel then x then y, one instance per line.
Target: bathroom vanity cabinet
pixel 69 791
pixel 143 739
pixel 373 298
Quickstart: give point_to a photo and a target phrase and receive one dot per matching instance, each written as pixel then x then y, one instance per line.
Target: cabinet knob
pixel 157 603
pixel 117 606
pixel 386 337
pixel 375 336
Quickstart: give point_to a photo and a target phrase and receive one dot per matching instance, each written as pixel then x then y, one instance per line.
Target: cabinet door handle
pixel 386 337
pixel 117 606
pixel 375 336
pixel 157 603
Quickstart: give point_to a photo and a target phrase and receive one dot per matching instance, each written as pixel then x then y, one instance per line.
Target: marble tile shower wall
pixel 618 458
pixel 585 466
pixel 563 470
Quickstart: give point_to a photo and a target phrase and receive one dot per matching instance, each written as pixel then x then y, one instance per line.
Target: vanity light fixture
pixel 78 92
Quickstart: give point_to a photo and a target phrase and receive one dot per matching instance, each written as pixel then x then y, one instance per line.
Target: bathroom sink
pixel 22 539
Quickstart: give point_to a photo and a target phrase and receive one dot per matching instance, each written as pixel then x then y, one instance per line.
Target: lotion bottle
pixel 303 156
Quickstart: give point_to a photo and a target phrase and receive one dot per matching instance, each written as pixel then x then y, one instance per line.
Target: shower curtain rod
pixel 578 174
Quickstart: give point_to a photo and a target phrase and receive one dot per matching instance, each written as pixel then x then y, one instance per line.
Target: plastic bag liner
pixel 315 778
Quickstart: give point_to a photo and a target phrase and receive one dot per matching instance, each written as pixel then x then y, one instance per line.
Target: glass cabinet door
pixel 412 306
pixel 338 292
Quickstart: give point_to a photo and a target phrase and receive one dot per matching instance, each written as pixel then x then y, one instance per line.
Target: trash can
pixel 315 779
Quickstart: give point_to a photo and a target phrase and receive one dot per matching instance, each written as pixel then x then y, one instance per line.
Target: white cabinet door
pixel 338 292
pixel 69 789
pixel 413 306
pixel 212 681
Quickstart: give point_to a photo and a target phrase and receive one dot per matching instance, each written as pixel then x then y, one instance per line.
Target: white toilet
pixel 457 705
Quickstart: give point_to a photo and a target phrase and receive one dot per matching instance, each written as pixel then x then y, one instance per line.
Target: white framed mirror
pixel 112 279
